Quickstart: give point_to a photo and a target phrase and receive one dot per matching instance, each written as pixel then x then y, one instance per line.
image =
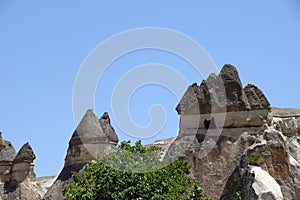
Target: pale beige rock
pixel 252 118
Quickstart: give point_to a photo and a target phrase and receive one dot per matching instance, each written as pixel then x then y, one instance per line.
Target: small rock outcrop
pixel 108 129
pixel 23 167
pixel 287 120
pixel 17 174
pixel 7 156
pixel 91 138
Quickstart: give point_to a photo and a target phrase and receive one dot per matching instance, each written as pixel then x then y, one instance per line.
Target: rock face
pixel 108 129
pixel 255 150
pixel 23 164
pixel 221 99
pixel 17 172
pixel 275 171
pixel 91 138
pixel 287 120
pixel 7 156
pixel 222 93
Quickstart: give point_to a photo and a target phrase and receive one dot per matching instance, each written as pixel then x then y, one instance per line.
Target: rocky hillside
pixel 231 135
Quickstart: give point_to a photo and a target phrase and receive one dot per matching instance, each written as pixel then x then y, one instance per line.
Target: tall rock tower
pixel 91 138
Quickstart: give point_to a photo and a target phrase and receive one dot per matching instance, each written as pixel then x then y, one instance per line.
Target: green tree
pixel 134 172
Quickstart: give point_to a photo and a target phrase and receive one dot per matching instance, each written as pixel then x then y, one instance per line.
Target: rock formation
pixel 17 172
pixel 223 98
pixel 231 135
pixel 108 129
pixel 255 148
pixel 7 156
pixel 91 138
pixel 23 167
pixel 288 120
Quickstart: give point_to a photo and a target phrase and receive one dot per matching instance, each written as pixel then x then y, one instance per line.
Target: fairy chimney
pixel 23 166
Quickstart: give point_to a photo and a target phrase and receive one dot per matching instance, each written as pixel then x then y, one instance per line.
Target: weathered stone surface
pixel 222 93
pixel 24 191
pixel 108 129
pixel 42 184
pixel 7 156
pixel 256 98
pixel 236 98
pixel 288 125
pixel 253 183
pixel 23 166
pixel 88 141
pixel 64 178
pixel 264 185
pixel 189 102
pixel 269 160
pixel 285 112
pixel 7 151
pixel 240 181
pixel 25 154
pixel 214 157
pixel 251 118
pixel 286 120
pixel 246 153
pixel 17 172
pixel 219 162
pixel 295 174
pixel 294 147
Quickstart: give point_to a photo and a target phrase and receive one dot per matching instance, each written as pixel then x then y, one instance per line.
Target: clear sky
pixel 44 43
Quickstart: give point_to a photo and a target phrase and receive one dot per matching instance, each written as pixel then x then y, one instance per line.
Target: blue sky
pixel 43 44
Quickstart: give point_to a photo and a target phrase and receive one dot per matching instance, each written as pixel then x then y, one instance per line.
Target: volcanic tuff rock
pixel 222 93
pixel 108 129
pixel 275 171
pixel 256 150
pixel 288 120
pixel 91 138
pixel 22 167
pixel 221 102
pixel 7 156
pixel 17 172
